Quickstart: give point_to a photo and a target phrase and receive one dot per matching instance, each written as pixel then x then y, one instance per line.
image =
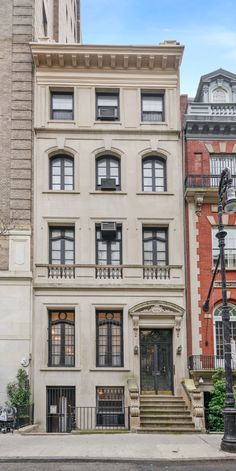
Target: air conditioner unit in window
pixel 108 184
pixel 108 229
pixel 107 112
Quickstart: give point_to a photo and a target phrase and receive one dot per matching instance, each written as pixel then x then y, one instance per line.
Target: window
pixel 107 106
pixel 219 95
pixel 62 105
pixel 108 244
pixel 154 174
pixel 107 173
pixel 219 341
pixel 62 246
pixel 219 163
pixel 230 247
pixel 45 21
pixel 152 107
pixel 155 246
pixel 61 173
pixel 61 338
pixel 109 337
pixel 110 406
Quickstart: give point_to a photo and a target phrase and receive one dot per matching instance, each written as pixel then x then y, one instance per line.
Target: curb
pixel 69 459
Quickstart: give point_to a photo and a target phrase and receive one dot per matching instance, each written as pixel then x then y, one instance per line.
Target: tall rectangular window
pixel 62 105
pixel 109 338
pixel 155 246
pixel 152 106
pixel 230 247
pixel 62 245
pixel 107 106
pixel 108 246
pixel 61 351
pixel 219 163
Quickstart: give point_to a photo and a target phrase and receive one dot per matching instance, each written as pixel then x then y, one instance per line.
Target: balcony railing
pixel 204 181
pixel 212 109
pixel 208 362
pixel 112 273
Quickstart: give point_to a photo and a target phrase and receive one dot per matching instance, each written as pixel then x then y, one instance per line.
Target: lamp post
pixel 226 202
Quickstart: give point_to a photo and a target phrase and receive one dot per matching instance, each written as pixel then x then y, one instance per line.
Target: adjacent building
pixel 108 260
pixel 21 22
pixel 210 146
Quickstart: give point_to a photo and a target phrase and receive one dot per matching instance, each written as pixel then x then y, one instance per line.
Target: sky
pixel 207 29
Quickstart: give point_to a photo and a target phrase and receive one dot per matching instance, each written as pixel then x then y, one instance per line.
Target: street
pixel 120 466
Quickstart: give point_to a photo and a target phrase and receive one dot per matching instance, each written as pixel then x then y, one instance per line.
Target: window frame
pixel 62 158
pixel 154 253
pixel 62 248
pixel 109 240
pixel 154 159
pixel 111 94
pixel 63 335
pixel 108 355
pixel 228 250
pixel 218 325
pixel 110 411
pixel 61 92
pixel 149 95
pixel 108 158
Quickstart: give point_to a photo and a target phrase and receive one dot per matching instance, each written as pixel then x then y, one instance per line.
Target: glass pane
pixel 107 100
pixel 62 102
pixel 56 245
pixel 152 103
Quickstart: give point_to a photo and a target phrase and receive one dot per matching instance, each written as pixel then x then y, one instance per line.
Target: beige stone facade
pixel 149 297
pixel 17 30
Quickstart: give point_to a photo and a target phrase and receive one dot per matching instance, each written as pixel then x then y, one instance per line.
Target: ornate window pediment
pixel 156 308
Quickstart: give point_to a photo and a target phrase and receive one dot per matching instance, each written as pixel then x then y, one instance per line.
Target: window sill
pixel 109 193
pixel 106 122
pixel 226 269
pixel 60 368
pixel 163 193
pixel 59 192
pixel 107 368
pixel 153 123
pixel 62 121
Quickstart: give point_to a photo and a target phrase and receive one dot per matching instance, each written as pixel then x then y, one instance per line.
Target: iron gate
pixel 60 403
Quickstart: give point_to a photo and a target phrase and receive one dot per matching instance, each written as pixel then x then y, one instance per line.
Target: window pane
pixel 152 103
pixel 107 100
pixel 109 335
pixel 62 102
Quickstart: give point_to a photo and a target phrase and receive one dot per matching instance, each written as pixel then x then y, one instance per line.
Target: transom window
pixel 107 105
pixel 109 328
pixel 230 247
pixel 62 105
pixel 61 338
pixel 152 106
pixel 108 245
pixel 219 332
pixel 107 173
pixel 62 245
pixel 155 247
pixel 154 174
pixel 62 173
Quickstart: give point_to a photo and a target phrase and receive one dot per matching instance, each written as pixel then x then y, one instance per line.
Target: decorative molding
pixel 229 284
pixel 198 200
pixel 155 308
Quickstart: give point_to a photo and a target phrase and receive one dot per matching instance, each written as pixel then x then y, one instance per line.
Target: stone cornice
pixel 165 56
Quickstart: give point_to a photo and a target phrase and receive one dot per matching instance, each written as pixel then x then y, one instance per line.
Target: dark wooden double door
pixel 156 361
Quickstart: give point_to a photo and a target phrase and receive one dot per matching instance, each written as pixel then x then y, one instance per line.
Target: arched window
pixel 61 343
pixel 219 340
pixel 108 173
pixel 219 95
pixel 154 174
pixel 62 173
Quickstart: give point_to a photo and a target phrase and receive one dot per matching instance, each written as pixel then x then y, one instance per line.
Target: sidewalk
pixel 114 447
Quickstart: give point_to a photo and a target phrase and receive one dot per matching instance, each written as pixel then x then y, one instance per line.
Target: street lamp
pixel 226 202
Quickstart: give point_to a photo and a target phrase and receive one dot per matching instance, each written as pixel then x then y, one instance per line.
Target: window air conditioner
pixel 108 184
pixel 107 112
pixel 108 228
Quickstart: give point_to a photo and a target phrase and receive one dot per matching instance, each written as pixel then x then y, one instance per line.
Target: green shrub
pixel 19 391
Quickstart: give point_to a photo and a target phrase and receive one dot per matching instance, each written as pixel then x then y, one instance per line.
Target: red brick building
pixel 210 146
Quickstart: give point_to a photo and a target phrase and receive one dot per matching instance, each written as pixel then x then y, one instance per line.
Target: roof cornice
pixel 165 56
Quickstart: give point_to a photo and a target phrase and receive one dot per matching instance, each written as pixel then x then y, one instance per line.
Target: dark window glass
pixel 62 246
pixel 109 338
pixel 108 247
pixel 155 246
pixel 61 173
pixel 62 105
pixel 110 406
pixel 154 174
pixel 107 167
pixel 107 106
pixel 61 338
pixel 152 107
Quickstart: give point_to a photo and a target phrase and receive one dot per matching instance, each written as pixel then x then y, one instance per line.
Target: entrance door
pixel 60 407
pixel 156 361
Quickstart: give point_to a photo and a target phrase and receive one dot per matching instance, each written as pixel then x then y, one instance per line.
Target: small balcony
pixel 208 362
pixel 205 184
pixel 94 275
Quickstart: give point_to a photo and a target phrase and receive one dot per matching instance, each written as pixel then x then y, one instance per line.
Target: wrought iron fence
pixel 97 418
pixel 204 181
pixel 206 362
pixel 24 416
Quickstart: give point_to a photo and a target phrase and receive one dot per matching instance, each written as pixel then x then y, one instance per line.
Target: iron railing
pixel 204 181
pixel 24 416
pixel 208 362
pixel 97 418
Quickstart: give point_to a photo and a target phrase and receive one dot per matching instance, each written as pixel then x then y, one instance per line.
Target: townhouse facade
pixel 210 146
pixel 22 21
pixel 109 281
